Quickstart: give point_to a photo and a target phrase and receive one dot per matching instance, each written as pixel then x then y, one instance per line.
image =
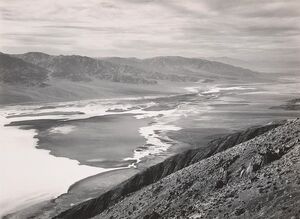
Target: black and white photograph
pixel 150 109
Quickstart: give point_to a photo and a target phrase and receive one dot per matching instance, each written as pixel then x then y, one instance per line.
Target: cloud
pixel 245 29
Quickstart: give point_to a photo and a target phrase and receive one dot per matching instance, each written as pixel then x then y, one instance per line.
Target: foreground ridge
pixel 246 180
pixel 256 179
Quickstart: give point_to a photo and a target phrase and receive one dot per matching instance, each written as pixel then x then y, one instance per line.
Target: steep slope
pixel 16 71
pixel 161 170
pixel 259 178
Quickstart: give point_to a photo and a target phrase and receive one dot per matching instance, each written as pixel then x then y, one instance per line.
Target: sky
pixel 259 30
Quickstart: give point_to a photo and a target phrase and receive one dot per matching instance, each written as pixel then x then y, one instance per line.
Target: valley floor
pixel 202 115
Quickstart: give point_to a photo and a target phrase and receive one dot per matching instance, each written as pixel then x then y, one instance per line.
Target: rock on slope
pixel 135 206
pixel 259 178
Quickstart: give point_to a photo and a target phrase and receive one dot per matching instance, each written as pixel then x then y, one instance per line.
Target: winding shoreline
pixel 105 181
pixel 17 124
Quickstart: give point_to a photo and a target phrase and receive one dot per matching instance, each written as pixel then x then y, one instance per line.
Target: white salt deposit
pixel 29 175
pixel 62 129
pixel 217 89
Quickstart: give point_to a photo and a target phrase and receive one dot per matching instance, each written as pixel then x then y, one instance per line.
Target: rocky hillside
pixel 259 178
pixel 16 71
pixel 61 205
pixel 222 179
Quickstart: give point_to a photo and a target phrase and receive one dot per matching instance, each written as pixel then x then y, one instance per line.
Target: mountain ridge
pixel 256 178
pixel 173 68
pixel 73 77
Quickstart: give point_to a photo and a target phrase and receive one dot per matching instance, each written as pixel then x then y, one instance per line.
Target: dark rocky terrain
pixel 256 179
pixel 250 174
pixel 18 72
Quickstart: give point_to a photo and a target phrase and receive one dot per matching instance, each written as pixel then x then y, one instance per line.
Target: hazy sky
pixel 246 29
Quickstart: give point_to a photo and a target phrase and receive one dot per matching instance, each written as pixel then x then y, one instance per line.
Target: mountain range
pixel 35 76
pixel 127 70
